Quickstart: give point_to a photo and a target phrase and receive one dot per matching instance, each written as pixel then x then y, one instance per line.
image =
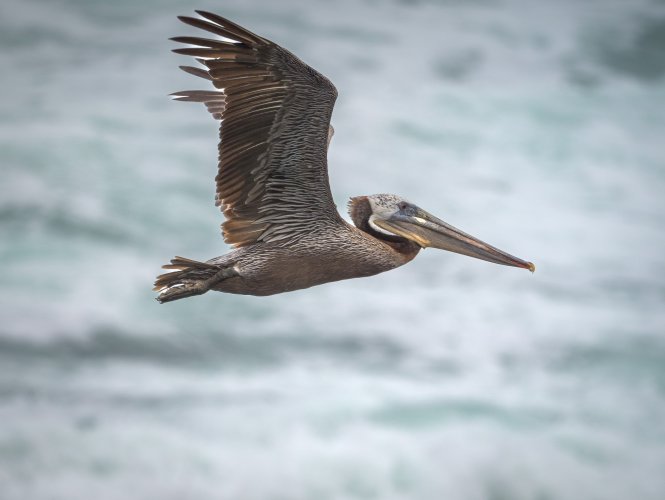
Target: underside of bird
pixel 272 182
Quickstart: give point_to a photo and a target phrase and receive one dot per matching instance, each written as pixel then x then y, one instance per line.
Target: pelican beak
pixel 429 231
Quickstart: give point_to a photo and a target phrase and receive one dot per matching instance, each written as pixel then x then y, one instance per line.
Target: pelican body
pixel 272 183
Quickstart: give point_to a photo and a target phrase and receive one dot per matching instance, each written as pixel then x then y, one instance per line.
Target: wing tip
pixel 186 19
pixel 200 72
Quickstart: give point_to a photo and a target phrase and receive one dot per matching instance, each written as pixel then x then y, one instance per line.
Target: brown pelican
pixel 273 185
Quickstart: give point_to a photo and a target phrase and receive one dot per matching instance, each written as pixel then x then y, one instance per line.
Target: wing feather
pixel 272 181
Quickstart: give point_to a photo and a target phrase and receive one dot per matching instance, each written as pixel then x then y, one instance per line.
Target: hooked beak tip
pixel 531 267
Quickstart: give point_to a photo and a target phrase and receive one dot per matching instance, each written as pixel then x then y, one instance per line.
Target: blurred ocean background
pixel 537 126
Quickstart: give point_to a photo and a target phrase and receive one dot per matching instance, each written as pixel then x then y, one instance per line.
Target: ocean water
pixel 537 126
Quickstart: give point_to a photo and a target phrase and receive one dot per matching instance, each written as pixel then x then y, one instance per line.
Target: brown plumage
pixel 272 182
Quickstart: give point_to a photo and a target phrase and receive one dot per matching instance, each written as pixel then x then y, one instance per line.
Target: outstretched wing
pixel 275 111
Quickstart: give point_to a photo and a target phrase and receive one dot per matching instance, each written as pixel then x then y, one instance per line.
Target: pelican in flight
pixel 272 182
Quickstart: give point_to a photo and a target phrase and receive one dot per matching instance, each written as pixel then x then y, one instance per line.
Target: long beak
pixel 428 231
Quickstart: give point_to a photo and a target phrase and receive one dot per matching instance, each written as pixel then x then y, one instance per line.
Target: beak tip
pixel 531 267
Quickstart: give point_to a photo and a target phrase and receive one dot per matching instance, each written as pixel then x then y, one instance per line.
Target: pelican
pixel 272 181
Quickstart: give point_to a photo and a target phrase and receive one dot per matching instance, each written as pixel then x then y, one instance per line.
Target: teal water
pixel 536 126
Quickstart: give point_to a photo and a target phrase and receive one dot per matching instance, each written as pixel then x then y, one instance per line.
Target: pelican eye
pixel 407 209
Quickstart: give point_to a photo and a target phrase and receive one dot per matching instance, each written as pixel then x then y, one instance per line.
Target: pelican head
pixel 390 215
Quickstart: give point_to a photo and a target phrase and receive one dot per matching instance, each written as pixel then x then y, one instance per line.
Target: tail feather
pixel 188 278
pixel 183 269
